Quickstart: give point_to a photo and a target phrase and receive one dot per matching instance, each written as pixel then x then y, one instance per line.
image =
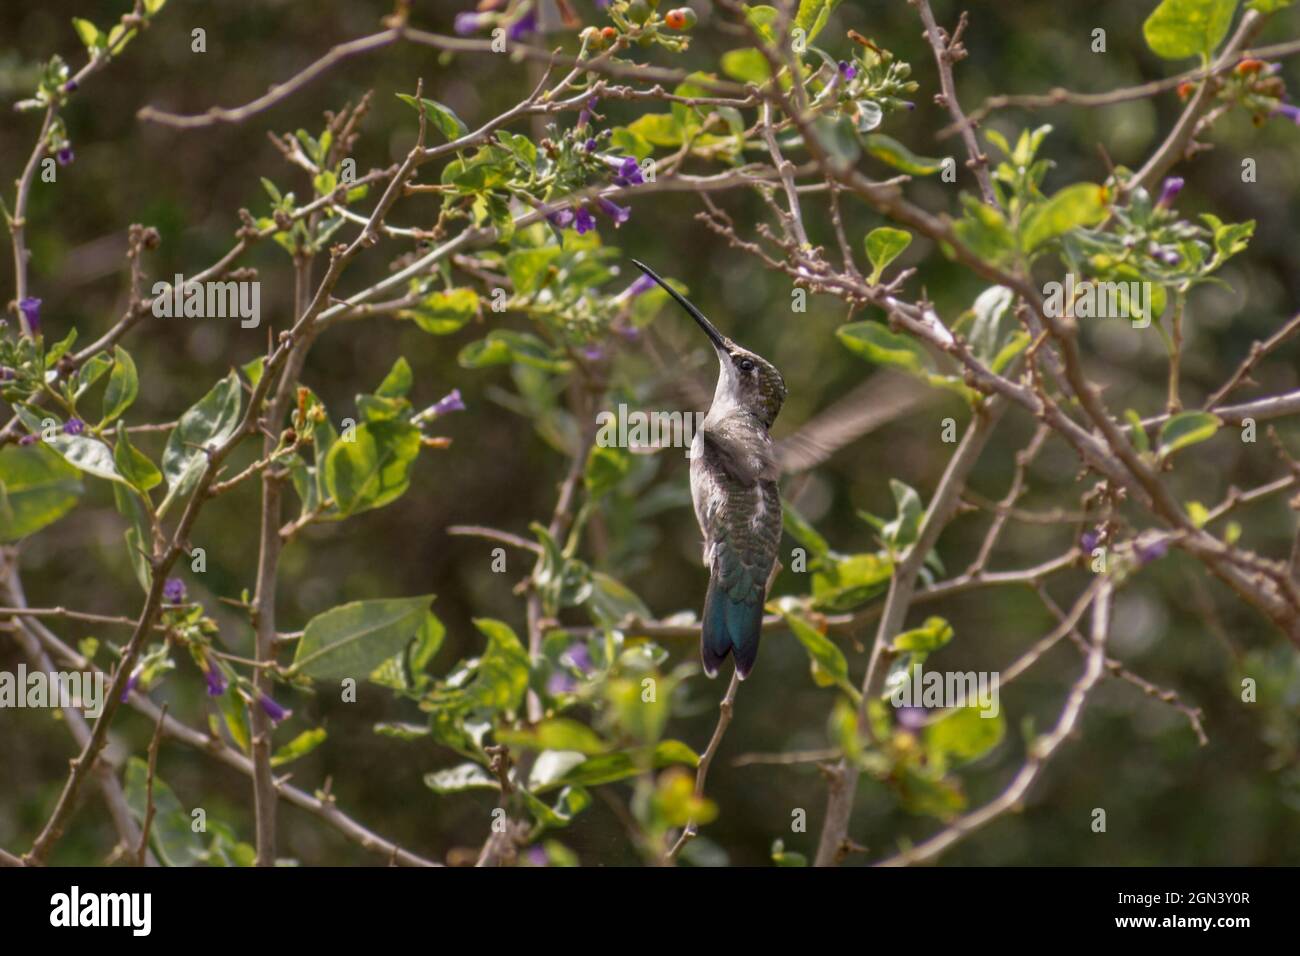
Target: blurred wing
pixel 881 399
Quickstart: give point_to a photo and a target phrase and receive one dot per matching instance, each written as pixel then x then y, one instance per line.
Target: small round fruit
pixel 683 18
pixel 638 11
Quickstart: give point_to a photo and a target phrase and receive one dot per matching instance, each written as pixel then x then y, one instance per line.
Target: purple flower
pixel 70 86
pixel 561 218
pixel 1089 540
pixel 451 402
pixel 1167 256
pixel 593 352
pixel 216 680
pixel 848 70
pixel 1169 192
pixel 74 426
pixel 30 307
pixel 1151 550
pixel 641 286
pixel 6 374
pixel 584 221
pixel 590 145
pixel 467 23
pixel 29 440
pixel 560 683
pixel 174 591
pixel 273 710
pixel 537 856
pixel 522 27
pixel 629 172
pixel 1290 112
pixel 132 682
pixel 584 115
pixel 579 657
pixel 912 718
pixel 619 214
pixel 65 155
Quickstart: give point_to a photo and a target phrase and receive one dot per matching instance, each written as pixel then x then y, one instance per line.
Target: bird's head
pixel 745 378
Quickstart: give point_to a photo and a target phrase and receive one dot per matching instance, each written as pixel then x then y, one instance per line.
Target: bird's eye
pixel 746 365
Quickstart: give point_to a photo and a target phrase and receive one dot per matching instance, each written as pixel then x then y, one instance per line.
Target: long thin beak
pixel 717 338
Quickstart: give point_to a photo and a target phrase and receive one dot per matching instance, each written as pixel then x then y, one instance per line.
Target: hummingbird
pixel 734 472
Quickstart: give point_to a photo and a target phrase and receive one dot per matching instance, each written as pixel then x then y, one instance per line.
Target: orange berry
pixel 683 18
pixel 1185 89
pixel 1249 67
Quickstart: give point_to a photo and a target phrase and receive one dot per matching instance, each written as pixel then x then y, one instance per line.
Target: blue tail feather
pixel 729 627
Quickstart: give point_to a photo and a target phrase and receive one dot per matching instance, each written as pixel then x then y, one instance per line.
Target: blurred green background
pixel 1236 801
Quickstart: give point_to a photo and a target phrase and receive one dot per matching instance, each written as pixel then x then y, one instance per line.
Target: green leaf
pixel 1269 6
pixel 798 528
pixel 90 35
pixel 139 536
pixel 123 386
pixel 607 768
pixel 442 313
pixel 747 65
pixel 1186 428
pixel 846 583
pixel 37 488
pixel 571 802
pixel 527 268
pixel 170 834
pixel 503 670
pixel 964 734
pixel 812 16
pixel 1137 431
pixel 606 467
pixel 86 454
pixel 1178 29
pixel 207 423
pixel 556 733
pixel 441 118
pixel 875 343
pixel 657 129
pixel 991 309
pixel 374 468
pixel 839 139
pixel 763 18
pixel 611 602
pixel 300 746
pixel 503 346
pixel 827 662
pixel 929 637
pixel 1082 204
pixel 351 640
pixel 902 532
pixel 235 714
pixel 893 153
pixel 459 779
pixel 398 381
pixel 133 464
pixel 884 245
pixel 1229 238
